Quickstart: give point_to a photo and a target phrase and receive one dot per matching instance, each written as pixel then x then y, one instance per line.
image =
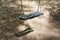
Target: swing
pixel 22 33
pixel 25 17
pixel 31 15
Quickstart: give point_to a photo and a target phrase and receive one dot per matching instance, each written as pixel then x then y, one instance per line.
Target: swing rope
pixel 39 6
pixel 22 11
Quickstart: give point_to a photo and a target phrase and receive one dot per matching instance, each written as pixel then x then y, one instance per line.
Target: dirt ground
pixel 46 26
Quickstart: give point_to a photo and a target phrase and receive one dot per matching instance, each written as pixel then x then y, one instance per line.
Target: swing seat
pixel 30 16
pixel 22 33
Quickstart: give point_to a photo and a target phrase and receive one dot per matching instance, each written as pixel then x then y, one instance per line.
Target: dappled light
pixel 45 27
